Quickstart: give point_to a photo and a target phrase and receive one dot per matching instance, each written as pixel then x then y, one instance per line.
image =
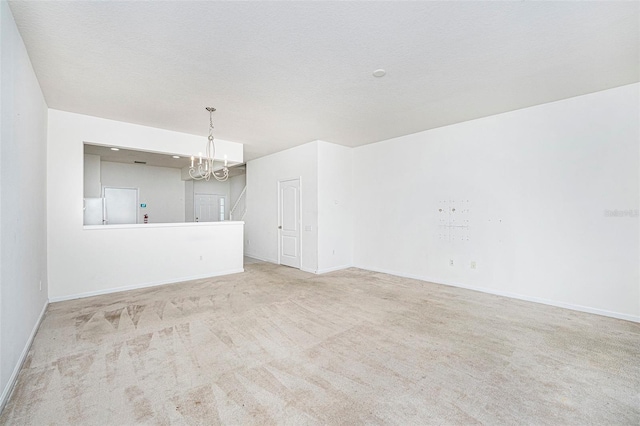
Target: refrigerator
pixel 93 208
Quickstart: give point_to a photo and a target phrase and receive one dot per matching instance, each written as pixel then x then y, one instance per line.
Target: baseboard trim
pixel 263 259
pixel 570 306
pixel 333 269
pixel 142 285
pixel 311 271
pixel 8 389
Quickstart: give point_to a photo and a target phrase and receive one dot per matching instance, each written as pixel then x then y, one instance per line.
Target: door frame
pixel 279 218
pixel 217 212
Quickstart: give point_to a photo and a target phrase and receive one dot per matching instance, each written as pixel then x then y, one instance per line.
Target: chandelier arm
pixel 224 177
pixel 205 172
pixel 194 177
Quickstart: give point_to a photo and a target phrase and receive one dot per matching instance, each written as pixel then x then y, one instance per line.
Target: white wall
pixel 23 203
pixel 134 256
pixel 261 229
pixel 77 261
pixel 335 210
pixel 538 183
pixel 92 185
pixel 189 206
pixel 160 188
pixel 326 205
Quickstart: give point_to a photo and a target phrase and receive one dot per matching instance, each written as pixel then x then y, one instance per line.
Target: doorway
pixel 289 222
pixel 209 207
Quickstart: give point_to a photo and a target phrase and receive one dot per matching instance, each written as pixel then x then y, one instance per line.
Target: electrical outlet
pixel 200 257
pixel 473 264
pixel 450 262
pixel 334 252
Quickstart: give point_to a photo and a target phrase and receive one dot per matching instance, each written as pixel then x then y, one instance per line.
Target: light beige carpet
pixel 276 345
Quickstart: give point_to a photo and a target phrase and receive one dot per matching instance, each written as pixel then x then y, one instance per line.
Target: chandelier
pixel 203 168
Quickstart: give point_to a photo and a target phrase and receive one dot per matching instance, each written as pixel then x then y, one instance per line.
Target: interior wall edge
pixel 333 269
pixel 23 260
pixel 548 302
pixel 8 389
pixel 262 258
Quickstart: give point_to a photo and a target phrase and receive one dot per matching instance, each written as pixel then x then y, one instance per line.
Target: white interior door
pixel 289 227
pixel 209 207
pixel 120 205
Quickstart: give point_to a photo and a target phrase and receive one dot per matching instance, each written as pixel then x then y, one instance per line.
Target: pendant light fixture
pixel 202 167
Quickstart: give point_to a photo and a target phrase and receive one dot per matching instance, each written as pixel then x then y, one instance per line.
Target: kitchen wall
pixel 138 256
pixel 160 188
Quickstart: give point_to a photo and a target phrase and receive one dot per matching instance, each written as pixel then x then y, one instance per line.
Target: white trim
pixel 6 392
pixel 571 306
pixel 311 271
pixel 335 268
pixel 263 259
pixel 143 285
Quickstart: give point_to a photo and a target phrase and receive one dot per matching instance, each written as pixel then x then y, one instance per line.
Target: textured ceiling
pixel 285 73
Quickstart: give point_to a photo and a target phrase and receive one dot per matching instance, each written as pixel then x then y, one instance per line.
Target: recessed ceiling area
pixel 128 156
pixel 285 73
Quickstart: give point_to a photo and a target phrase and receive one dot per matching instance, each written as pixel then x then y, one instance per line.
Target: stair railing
pixel 235 205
